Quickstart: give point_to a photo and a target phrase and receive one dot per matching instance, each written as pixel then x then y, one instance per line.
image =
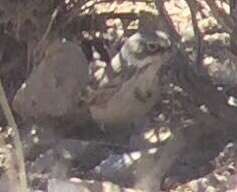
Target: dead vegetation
pixel 94 115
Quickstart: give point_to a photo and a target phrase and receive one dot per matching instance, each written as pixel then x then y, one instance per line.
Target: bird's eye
pixel 154 47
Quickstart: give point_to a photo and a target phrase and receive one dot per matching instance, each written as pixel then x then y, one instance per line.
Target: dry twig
pixel 224 19
pixel 199 53
pixel 38 52
pixel 16 140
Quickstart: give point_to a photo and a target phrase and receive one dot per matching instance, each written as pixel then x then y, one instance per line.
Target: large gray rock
pixel 67 153
pixel 56 185
pixel 54 87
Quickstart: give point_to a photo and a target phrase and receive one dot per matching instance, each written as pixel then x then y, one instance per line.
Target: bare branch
pixel 225 20
pixel 16 139
pixel 41 44
pixel 175 37
pixel 199 53
pixel 164 14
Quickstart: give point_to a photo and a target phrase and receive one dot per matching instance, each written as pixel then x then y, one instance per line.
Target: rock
pixel 86 154
pixel 52 91
pixel 13 67
pixel 58 160
pixel 119 168
pixel 5 185
pixel 55 185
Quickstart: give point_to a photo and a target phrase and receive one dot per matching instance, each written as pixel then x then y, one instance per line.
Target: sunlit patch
pixel 75 180
pixel 220 178
pixel 132 190
pixel 152 150
pixel 208 60
pixel 207 23
pixel 151 136
pixel 116 63
pixel 41 155
pixel 133 24
pixel 23 86
pixel 66 154
pixel 64 40
pixel 86 35
pixel 223 37
pixel 98 169
pixel 154 136
pixel 10 131
pixel 161 117
pixel 164 134
pixel 89 181
pixel 232 101
pixel 33 131
pixel 108 187
pixel 99 64
pixel 95 54
pixel 220 88
pixel 148 134
pixel 204 108
pixel 9 146
pixel 35 140
pixel 223 5
pixel 67 1
pixel 178 89
pixel 99 73
pixel 136 155
pixel 165 37
pixel 130 158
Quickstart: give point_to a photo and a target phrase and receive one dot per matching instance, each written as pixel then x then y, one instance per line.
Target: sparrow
pixel 137 66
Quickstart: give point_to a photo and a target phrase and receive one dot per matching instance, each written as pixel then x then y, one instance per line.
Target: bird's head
pixel 144 48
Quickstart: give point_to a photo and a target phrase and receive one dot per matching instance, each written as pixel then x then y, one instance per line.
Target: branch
pixel 16 140
pixel 164 14
pixel 174 35
pixel 224 19
pixel 199 53
pixel 41 44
